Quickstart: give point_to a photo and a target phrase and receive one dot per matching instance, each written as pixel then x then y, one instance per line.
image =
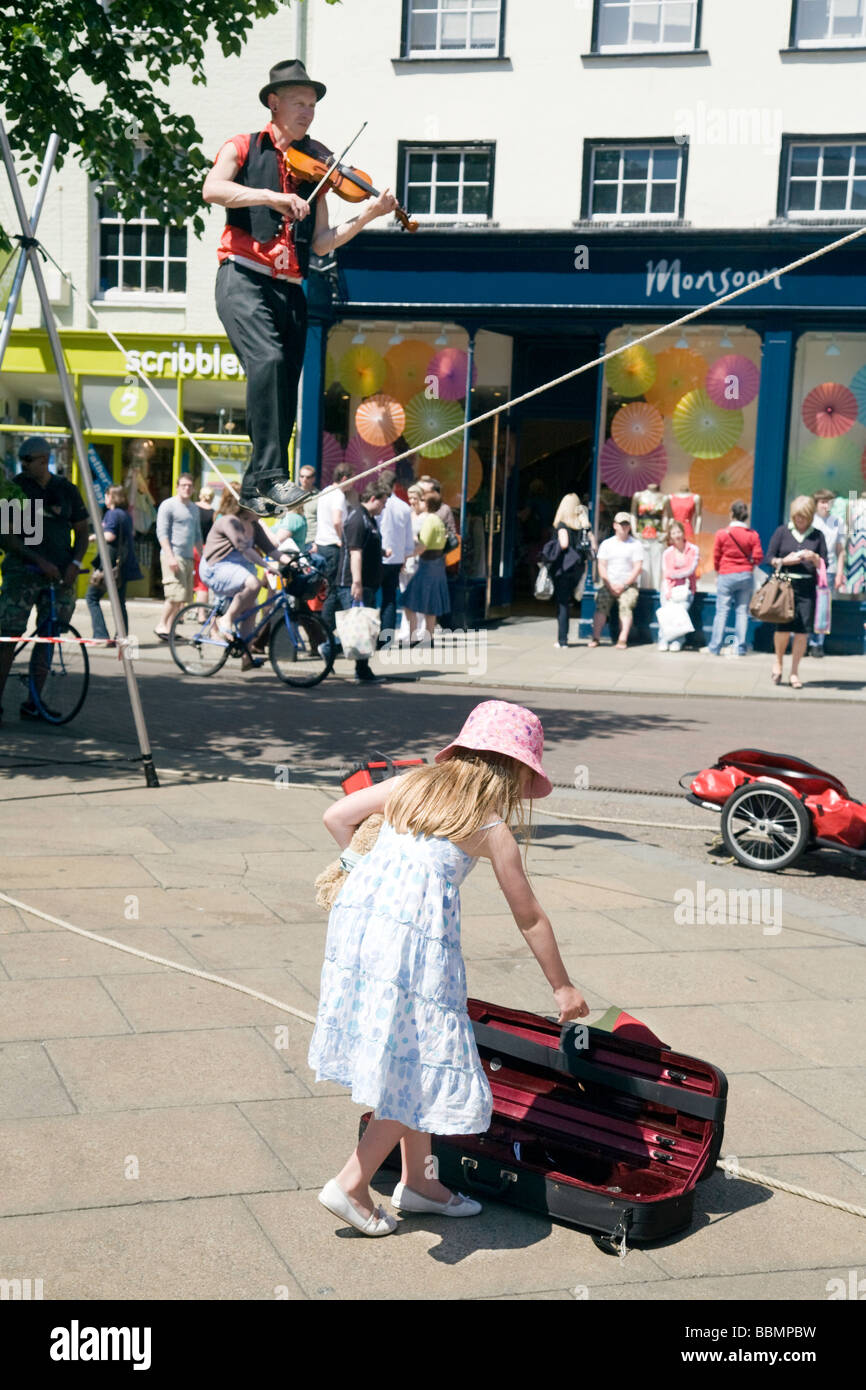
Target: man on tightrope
pixel 264 255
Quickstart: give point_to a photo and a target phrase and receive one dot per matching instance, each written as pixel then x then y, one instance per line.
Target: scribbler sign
pixel 183 360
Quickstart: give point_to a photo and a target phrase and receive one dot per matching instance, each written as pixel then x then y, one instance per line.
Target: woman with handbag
pixel 678 584
pixel 736 553
pixel 566 555
pixel 120 539
pixel 798 547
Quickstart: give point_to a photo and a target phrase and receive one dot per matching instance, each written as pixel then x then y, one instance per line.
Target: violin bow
pixel 336 164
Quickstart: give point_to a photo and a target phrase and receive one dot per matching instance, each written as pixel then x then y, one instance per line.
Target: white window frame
pixel 822 214
pixel 434 151
pixel 831 40
pixel 441 7
pixel 118 295
pixel 641 45
pixel 624 150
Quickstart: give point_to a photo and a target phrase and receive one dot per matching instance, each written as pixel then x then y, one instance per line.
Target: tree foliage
pixel 93 71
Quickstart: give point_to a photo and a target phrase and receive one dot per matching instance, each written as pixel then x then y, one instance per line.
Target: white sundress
pixel 392 1023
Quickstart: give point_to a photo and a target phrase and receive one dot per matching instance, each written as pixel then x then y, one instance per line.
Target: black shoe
pixel 274 497
pixel 369 679
pixel 251 663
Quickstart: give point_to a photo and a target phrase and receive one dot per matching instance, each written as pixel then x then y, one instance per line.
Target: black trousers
pixel 331 555
pixel 266 323
pixel 390 579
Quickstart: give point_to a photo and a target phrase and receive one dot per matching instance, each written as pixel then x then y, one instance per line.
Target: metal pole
pixel 21 268
pixel 81 450
pixel 464 482
pixel 492 514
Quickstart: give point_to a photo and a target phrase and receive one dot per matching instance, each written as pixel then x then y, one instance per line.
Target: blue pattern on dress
pixel 392 1023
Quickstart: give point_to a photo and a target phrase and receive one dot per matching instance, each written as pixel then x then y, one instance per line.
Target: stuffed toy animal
pixel 331 880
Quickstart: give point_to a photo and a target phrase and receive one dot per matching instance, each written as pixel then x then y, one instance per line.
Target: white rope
pixel 507 405
pixel 616 820
pixel 729 1165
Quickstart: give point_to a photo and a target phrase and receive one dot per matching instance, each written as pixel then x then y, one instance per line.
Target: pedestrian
pixel 331 512
pixel 392 1022
pixel 620 560
pixel 832 529
pixel 206 515
pixel 307 480
pixel 264 255
pixel 429 485
pixel 678 583
pixel 360 568
pixel 33 562
pixel 799 547
pixel 233 553
pixel 178 530
pixel 398 543
pixel 570 547
pixel 120 539
pixel 736 554
pixel 427 591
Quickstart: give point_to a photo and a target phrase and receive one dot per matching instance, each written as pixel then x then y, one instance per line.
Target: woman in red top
pixel 736 552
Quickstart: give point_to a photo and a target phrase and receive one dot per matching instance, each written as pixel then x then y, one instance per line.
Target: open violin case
pixel 606 1130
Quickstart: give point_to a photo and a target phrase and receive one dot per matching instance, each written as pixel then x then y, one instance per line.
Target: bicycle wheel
pixel 58 678
pixel 765 827
pixel 294 649
pixel 196 644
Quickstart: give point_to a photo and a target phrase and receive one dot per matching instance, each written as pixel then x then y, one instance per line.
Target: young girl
pixel 392 1022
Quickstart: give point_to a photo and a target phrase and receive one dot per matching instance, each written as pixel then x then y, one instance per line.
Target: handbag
pixel 774 601
pixel 674 621
pixel 357 628
pixel 543 583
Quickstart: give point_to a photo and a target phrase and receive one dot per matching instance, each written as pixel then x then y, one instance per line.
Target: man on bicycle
pixel 33 562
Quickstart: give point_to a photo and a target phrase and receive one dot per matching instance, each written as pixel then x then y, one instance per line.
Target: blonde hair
pixel 804 506
pixel 453 799
pixel 205 494
pixel 571 512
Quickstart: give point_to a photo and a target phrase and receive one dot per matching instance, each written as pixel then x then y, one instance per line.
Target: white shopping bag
pixel 674 621
pixel 357 629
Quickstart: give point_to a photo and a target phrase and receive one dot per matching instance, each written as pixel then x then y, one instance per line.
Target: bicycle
pixel 298 642
pixel 53 677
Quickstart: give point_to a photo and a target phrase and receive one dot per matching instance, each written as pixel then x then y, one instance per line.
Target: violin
pixel 312 164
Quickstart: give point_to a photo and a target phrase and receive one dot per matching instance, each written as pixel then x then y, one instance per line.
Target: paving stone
pixel 11 920
pixel 186 869
pixel 839 1093
pixel 681 977
pixel 705 1030
pixel 589 933
pixel 97 908
pixel 57 1009
pixel 41 955
pixel 825 1173
pixel 785 1286
pixel 763 1117
pixel 18 874
pixel 177 1069
pixel 218 948
pixel 504 1250
pixel 656 924
pixel 76 837
pixel 171 1000
pixel 29 1085
pixel 826 1033
pixel 120 1159
pixel 840 973
pixel 521 985
pixel 314 1137
pixel 292 1041
pixel 210 1248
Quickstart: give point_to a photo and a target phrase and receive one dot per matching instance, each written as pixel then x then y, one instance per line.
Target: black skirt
pixel 804 607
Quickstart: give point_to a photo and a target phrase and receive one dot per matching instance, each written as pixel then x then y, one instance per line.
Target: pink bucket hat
pixel 495 726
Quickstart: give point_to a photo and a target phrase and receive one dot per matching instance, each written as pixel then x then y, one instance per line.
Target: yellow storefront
pixel 132 436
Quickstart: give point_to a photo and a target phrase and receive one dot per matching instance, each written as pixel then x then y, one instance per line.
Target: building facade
pixel 577 183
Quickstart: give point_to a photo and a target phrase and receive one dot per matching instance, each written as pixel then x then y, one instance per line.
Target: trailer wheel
pixel 765 827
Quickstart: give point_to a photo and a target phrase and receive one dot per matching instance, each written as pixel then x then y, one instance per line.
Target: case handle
pixel 469 1165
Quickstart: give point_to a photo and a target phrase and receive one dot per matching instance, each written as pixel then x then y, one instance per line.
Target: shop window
pixel 829 23
pixel 624 26
pixel 451 28
pixel 447 182
pixel 679 421
pixel 824 178
pixel 138 255
pixel 827 439
pixel 628 181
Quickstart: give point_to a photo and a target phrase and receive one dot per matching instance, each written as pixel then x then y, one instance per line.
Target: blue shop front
pixel 762 399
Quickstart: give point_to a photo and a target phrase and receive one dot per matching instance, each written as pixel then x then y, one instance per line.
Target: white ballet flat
pixel 334 1198
pixel 407 1199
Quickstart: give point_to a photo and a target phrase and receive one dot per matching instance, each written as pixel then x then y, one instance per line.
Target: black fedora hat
pixel 290 73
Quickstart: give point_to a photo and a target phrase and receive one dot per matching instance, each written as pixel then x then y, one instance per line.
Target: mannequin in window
pixel 684 506
pixel 649 525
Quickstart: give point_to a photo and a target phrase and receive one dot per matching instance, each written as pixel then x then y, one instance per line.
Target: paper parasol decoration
pixel 721 481
pixel 360 455
pixel 407 364
pixel 425 419
pixel 678 370
pixel 332 454
pixel 362 370
pixel 380 419
pixel 733 381
pixel 449 368
pixel 637 428
pixel 632 371
pixel 830 410
pixel 629 473
pixel 858 387
pixel 704 430
pixel 831 463
pixel 449 472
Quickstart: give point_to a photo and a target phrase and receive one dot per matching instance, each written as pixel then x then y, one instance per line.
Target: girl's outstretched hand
pixel 571 1003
